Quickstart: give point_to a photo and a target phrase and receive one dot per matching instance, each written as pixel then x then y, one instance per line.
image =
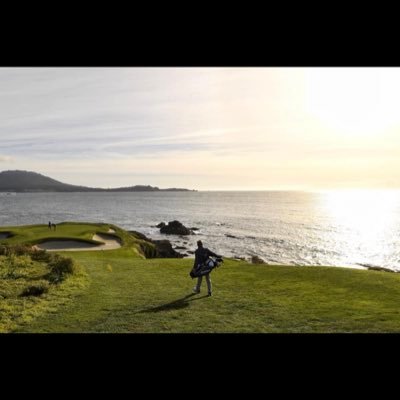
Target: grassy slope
pixel 127 293
pixel 135 295
pixel 17 310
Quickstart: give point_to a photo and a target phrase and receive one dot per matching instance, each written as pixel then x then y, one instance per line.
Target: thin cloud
pixel 238 125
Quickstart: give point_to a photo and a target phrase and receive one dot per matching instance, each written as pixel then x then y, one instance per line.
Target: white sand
pixel 109 243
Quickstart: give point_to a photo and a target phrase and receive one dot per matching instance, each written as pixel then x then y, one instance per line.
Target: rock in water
pixel 376 267
pixel 175 228
pixel 373 268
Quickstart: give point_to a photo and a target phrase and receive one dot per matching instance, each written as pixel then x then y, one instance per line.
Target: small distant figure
pixel 54 226
pixel 201 257
pixel 49 224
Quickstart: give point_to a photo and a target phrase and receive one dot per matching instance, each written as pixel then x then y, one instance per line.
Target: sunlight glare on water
pixel 366 223
pixel 337 228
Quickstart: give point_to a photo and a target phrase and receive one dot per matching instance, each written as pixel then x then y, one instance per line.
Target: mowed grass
pixel 36 234
pixel 121 291
pixel 33 234
pixel 137 295
pixel 20 273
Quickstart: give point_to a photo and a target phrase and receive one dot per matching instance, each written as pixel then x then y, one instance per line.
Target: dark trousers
pixel 208 280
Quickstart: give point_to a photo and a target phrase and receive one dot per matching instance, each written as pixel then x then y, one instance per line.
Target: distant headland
pixel 28 181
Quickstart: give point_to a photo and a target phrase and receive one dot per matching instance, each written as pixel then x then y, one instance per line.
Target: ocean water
pixel 344 228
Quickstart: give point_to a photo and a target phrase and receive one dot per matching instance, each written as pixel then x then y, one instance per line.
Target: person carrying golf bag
pixel 203 266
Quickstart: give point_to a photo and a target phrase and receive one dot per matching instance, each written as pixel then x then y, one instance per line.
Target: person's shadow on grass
pixel 173 305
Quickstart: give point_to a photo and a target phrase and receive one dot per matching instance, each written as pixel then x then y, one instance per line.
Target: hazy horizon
pixel 336 190
pixel 208 129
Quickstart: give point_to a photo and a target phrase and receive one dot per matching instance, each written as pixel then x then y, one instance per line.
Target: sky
pixel 204 128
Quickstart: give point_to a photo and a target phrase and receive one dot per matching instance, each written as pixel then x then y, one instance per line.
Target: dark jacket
pixel 201 255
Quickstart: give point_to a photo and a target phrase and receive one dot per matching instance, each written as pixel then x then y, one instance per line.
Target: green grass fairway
pixel 125 292
pixel 35 234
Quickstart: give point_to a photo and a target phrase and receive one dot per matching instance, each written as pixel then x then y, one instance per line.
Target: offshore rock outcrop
pixel 377 268
pixel 175 228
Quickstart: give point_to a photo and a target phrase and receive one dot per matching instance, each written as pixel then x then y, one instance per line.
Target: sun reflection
pixel 364 221
pixel 367 211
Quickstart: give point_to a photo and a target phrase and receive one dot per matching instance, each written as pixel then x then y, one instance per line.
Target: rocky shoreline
pixel 165 249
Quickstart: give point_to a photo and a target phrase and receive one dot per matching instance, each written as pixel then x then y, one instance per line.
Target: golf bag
pixel 207 267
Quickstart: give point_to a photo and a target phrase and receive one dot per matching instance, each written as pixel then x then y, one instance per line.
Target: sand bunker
pixel 110 243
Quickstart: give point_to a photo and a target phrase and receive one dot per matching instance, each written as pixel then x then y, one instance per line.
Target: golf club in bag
pixel 207 267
